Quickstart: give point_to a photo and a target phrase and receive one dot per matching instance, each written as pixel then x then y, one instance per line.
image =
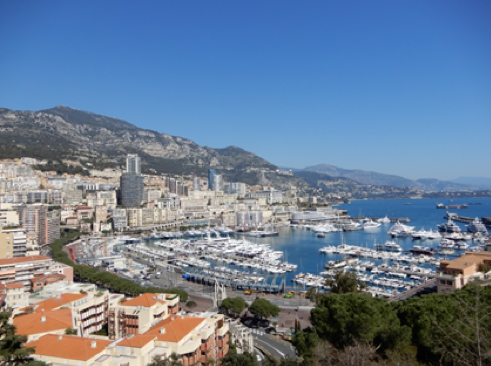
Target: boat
pixel 371 225
pixel 420 234
pixel 476 226
pixel 449 227
pixel 442 206
pixel 400 230
pixel 389 246
pixel 321 235
pixel 447 243
pixel 418 249
pixel 461 246
pixel 384 220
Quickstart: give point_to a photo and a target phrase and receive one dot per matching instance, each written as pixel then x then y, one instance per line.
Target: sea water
pixel 302 246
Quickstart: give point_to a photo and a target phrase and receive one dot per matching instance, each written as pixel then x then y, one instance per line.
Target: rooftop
pixel 56 302
pixel 145 300
pixel 43 322
pixel 68 347
pixel 176 328
pixel 137 341
pixel 23 259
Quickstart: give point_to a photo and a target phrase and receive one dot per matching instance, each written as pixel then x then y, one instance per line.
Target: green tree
pixel 172 360
pixel 264 308
pixel 234 305
pixel 344 282
pixel 345 319
pixel 304 341
pixel 452 329
pixel 70 331
pixel 234 359
pixel 12 350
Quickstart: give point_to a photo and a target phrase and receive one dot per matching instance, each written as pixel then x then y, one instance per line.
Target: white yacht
pixel 398 230
pixel 449 227
pixel 385 220
pixel 371 225
pixel 477 227
pixel 389 246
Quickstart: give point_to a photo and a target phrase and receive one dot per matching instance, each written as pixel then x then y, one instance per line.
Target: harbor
pixel 297 258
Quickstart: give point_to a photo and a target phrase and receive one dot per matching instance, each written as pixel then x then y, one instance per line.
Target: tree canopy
pixel 344 282
pixel 234 305
pixel 12 350
pixel 264 308
pixel 345 319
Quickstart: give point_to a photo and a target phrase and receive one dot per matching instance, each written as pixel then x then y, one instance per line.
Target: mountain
pixel 97 141
pixel 379 179
pixel 361 176
pixel 480 182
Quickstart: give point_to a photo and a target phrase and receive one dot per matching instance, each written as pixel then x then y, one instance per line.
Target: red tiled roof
pixel 48 321
pixel 34 258
pixel 137 341
pixel 176 328
pixel 69 347
pixel 145 300
pixel 56 302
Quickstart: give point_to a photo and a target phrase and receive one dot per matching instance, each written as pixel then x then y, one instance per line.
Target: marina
pixel 389 258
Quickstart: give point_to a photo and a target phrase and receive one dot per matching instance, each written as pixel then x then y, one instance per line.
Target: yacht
pixel 398 230
pixel 476 226
pixel 418 249
pixel 447 243
pixel 385 220
pixel 420 234
pixel 449 227
pixel 389 246
pixel 371 225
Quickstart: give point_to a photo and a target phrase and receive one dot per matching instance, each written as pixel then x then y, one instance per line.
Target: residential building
pixel 13 243
pixel 9 218
pixel 43 223
pixel 272 196
pixel 211 178
pixel 138 315
pixel 131 189
pixel 120 221
pixel 235 188
pixel 133 164
pixel 66 350
pixel 456 273
pixel 23 269
pixel 14 295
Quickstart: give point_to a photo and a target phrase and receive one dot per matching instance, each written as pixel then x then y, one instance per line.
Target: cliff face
pixel 64 128
pixel 96 140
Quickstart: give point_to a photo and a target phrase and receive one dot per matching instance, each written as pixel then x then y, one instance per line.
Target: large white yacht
pixel 476 226
pixel 449 227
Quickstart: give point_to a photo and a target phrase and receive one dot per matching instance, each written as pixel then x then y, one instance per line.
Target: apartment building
pixel 14 296
pixel 455 274
pixel 43 223
pixel 9 218
pixel 149 327
pixel 138 315
pixel 21 270
pixel 13 243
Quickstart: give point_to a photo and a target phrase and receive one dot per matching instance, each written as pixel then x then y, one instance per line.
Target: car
pixel 263 323
pixel 270 330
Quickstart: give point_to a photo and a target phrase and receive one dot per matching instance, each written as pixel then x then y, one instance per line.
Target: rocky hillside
pixel 99 141
pixel 379 179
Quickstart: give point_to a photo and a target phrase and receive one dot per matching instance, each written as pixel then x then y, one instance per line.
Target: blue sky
pixel 397 87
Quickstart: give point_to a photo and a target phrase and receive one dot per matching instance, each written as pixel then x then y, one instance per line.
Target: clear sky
pixel 398 87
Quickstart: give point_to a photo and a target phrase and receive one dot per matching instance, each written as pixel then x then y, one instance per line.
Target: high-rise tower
pixel 133 164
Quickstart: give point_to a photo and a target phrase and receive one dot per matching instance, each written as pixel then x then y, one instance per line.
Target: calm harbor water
pixel 302 246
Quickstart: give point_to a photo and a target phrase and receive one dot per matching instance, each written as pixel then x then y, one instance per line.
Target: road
pixel 272 345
